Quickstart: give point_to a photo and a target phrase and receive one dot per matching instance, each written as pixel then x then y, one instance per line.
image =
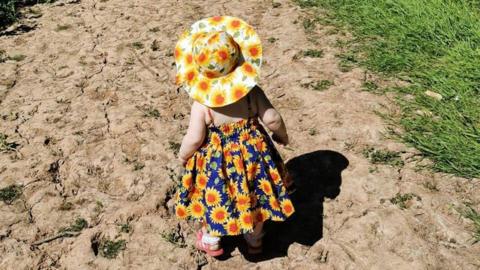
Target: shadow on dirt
pixel 317 175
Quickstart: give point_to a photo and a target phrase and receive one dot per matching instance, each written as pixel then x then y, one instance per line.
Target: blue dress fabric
pixel 234 180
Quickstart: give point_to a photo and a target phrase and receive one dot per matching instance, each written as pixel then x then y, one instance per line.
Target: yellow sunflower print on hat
pixel 218 60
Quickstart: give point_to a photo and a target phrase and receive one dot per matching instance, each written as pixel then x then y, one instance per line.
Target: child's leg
pixel 258 230
pixel 254 239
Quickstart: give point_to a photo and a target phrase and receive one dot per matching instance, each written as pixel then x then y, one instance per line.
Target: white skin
pixel 200 119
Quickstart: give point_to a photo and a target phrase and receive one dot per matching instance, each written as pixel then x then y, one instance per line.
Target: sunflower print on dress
pixel 234 180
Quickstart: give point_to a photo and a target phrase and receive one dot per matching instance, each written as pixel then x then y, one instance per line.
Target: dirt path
pixel 97 116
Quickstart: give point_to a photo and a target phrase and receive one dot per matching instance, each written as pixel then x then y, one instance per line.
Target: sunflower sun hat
pixel 218 60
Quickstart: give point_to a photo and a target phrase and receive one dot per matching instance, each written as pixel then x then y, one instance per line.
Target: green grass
pixel 137 166
pixel 65 206
pixel 322 85
pixel 98 207
pixel 272 39
pixel 77 226
pixel 174 237
pixel 434 45
pixel 3 56
pixel 137 45
pixel 174 146
pixel 152 112
pixel 313 53
pixel 110 249
pixel 347 61
pixel 62 27
pixel 10 193
pixel 431 185
pixel 9 9
pixel 155 46
pixel 18 57
pixel 6 146
pixel 126 228
pixel 308 24
pixel 382 156
pixel 8 12
pixel 474 216
pixel 318 85
pixel 154 29
pixel 372 87
pixel 401 200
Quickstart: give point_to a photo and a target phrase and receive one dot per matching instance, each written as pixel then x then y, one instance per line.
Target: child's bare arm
pixel 195 133
pixel 270 117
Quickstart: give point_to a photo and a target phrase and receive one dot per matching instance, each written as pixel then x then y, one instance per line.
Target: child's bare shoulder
pixel 198 111
pixel 197 106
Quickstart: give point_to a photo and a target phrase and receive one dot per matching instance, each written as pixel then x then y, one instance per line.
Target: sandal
pixel 254 243
pixel 206 247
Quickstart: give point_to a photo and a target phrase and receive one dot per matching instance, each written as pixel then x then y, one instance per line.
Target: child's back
pixel 255 104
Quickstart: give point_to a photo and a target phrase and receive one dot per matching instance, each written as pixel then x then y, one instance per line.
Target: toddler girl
pixel 234 177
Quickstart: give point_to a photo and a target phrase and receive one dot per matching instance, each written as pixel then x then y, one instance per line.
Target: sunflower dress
pixel 234 180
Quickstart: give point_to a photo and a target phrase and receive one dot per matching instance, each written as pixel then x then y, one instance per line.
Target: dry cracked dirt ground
pixel 97 120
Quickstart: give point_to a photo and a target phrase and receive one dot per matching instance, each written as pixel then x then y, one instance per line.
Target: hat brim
pixel 224 90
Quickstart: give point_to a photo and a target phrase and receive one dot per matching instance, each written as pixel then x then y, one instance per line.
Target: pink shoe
pixel 207 247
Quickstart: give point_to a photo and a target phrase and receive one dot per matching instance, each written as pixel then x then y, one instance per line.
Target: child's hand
pixel 283 140
pixel 182 161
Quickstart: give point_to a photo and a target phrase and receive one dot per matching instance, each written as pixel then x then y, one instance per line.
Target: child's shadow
pixel 316 175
